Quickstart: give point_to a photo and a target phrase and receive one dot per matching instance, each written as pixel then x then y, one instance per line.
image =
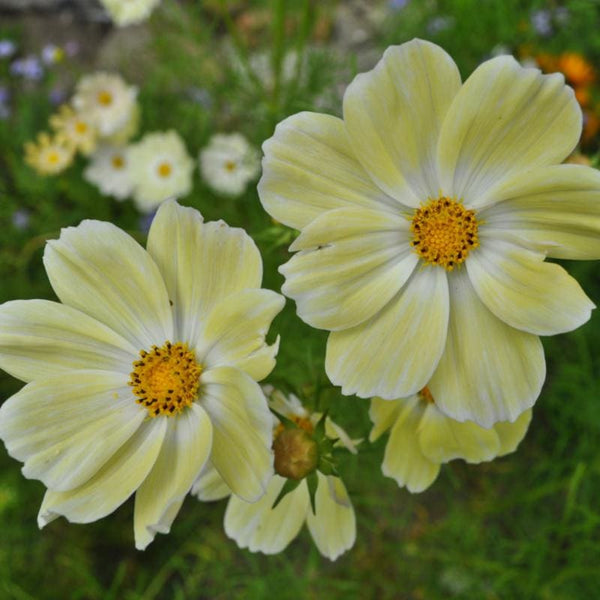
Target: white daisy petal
pixel 524 291
pixel 234 333
pixel 309 169
pixel 210 485
pixel 393 354
pixel 489 371
pixel 350 264
pixel 556 206
pixel 114 482
pixel 76 409
pixel 39 338
pixel 100 270
pixel 504 120
pixel 261 528
pixel 394 114
pixel 202 263
pixel 511 434
pixel 333 525
pixel 241 450
pixel 185 450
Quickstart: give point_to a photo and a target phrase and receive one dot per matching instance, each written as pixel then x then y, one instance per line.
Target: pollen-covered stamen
pixel 444 232
pixel 425 396
pixel 166 379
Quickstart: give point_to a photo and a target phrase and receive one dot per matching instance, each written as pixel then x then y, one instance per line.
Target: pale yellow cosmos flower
pixel 129 12
pixel 146 369
pixel 49 155
pixel 260 527
pixel 422 438
pixel 426 215
pixel 74 129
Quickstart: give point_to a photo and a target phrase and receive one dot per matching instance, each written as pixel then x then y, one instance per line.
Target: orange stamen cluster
pixel 426 396
pixel 444 232
pixel 166 379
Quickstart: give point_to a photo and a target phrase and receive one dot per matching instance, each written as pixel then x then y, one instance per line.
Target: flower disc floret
pixel 444 232
pixel 166 379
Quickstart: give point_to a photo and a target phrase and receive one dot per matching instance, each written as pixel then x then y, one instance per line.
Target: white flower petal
pixel 261 528
pixel 504 120
pixel 333 526
pixel 394 114
pixel 66 427
pixel 557 206
pixel 383 413
pixel 100 270
pixel 185 450
pixel 489 371
pixel 210 485
pixel 393 354
pixel 443 439
pixel 242 430
pixel 511 434
pixel 202 263
pixel 351 263
pixel 234 333
pixel 309 169
pixel 113 484
pixel 39 338
pixel 404 460
pixel 524 291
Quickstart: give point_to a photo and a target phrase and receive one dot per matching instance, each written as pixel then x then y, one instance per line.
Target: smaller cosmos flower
pixel 228 163
pixel 75 129
pixel 109 170
pixel 160 168
pixel 106 100
pixel 49 155
pixel 422 438
pixel 301 460
pixel 129 12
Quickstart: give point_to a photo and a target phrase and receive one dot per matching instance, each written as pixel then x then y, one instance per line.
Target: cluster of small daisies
pixel 426 216
pixel 100 122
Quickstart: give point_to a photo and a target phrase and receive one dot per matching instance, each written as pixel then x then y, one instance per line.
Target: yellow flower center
pixel 425 396
pixel 166 379
pixel 444 232
pixel 81 127
pixel 53 157
pixel 164 169
pixel 117 161
pixel 230 166
pixel 105 98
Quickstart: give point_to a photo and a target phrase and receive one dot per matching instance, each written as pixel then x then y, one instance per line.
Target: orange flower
pixel 576 69
pixel 583 95
pixel 591 126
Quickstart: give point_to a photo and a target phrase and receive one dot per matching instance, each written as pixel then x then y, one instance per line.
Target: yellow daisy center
pixel 230 166
pixel 53 157
pixel 444 232
pixel 117 162
pixel 81 127
pixel 164 169
pixel 166 379
pixel 425 396
pixel 105 98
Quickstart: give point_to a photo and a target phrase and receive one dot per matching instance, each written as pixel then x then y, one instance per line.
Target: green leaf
pixel 313 482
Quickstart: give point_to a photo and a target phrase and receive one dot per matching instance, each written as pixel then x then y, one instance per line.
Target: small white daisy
pixel 228 163
pixel 109 171
pixel 74 129
pixel 129 12
pixel 48 155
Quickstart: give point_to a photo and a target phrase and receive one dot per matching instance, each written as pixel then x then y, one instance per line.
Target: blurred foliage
pixel 524 526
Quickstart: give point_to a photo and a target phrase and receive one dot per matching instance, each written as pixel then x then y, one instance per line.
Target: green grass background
pixel 524 526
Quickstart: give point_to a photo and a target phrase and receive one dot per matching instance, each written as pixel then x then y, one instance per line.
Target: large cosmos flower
pixel 426 216
pixel 146 370
pixel 422 438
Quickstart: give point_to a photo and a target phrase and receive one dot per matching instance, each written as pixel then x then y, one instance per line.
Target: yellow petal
pixel 66 427
pixel 558 206
pixel 234 333
pixel 39 338
pixel 404 460
pixel 394 114
pixel 489 371
pixel 443 439
pixel 113 484
pixel 511 434
pixel 333 525
pixel 350 263
pixel 242 430
pixel 505 120
pixel 210 485
pixel 261 528
pixel 393 354
pixel 202 263
pixel 309 169
pixel 524 291
pixel 100 270
pixel 185 450
pixel 383 413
